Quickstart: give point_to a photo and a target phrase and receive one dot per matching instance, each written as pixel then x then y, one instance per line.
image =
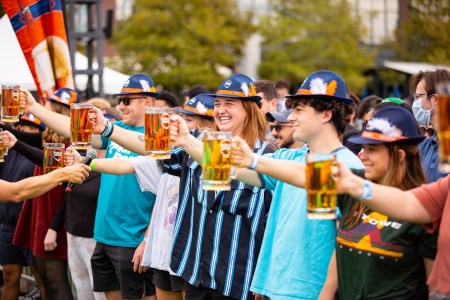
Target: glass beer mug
pixel 216 161
pixel 157 132
pixel 3 148
pixel 10 103
pixel 82 119
pixel 53 156
pixel 443 126
pixel 320 186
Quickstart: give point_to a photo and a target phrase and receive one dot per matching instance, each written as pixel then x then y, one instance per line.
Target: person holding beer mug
pixel 296 253
pixel 369 242
pixel 218 234
pixel 155 250
pixel 33 232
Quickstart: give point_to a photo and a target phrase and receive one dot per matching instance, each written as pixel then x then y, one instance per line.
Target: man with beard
pixel 281 129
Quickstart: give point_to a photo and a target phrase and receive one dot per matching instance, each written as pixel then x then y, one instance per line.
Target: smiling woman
pixel 391 157
pixel 219 231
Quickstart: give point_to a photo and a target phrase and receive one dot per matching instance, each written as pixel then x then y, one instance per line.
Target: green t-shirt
pixel 381 258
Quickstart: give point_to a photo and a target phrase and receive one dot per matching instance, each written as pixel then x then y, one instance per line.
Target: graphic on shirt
pixel 172 203
pixel 117 151
pixel 367 237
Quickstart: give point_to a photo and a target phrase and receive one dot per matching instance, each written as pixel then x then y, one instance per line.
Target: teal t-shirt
pixel 123 211
pixel 296 251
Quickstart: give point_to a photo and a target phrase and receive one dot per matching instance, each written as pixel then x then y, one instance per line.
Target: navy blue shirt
pixel 16 167
pixel 430 158
pixel 217 235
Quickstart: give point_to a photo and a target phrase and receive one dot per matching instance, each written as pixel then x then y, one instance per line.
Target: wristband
pixel 106 126
pixel 255 161
pixel 92 165
pixel 145 239
pixel 367 191
pixel 108 129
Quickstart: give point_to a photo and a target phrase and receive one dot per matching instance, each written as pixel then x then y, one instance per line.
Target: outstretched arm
pixel 398 204
pixel 289 171
pixel 34 186
pixel 180 136
pixel 117 166
pixel 57 122
pixel 131 140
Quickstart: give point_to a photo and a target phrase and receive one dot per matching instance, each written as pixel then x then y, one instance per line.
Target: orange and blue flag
pixel 40 30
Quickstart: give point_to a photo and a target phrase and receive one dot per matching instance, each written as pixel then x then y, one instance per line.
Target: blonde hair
pixel 49 136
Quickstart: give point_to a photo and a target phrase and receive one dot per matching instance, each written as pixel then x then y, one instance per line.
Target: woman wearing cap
pixel 377 256
pixel 159 236
pixel 36 228
pixel 217 236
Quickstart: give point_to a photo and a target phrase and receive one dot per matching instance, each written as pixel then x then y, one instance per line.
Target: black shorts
pixel 166 282
pixel 13 255
pixel 202 293
pixel 112 270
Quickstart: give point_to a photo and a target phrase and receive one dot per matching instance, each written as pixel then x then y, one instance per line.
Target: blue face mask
pixel 422 115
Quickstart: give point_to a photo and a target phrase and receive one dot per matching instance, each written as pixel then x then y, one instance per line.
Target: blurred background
pixel 376 45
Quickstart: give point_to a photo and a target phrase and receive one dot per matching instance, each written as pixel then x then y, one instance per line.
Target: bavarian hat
pixel 65 96
pixel 392 124
pixel 31 119
pixel 238 86
pixel 138 84
pixel 202 105
pixel 325 85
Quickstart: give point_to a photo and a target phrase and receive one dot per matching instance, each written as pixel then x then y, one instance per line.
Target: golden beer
pixel 320 186
pixel 82 119
pixel 157 132
pixel 216 161
pixel 3 148
pixel 53 156
pixel 443 132
pixel 10 103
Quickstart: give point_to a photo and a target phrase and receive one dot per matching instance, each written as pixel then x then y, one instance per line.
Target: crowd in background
pixel 139 228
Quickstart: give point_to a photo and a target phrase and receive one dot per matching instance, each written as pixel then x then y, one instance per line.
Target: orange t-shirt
pixel 435 198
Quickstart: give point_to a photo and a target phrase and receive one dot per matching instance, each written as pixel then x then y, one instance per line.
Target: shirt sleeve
pixel 147 173
pixel 433 197
pixel 32 153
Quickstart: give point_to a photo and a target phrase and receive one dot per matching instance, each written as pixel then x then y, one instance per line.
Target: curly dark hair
pixel 337 109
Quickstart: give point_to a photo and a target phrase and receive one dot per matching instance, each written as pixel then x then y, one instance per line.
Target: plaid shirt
pixel 217 235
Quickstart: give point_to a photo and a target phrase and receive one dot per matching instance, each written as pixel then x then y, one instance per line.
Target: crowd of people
pixel 140 228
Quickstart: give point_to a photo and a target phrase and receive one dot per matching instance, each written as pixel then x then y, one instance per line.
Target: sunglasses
pixel 278 127
pixel 126 100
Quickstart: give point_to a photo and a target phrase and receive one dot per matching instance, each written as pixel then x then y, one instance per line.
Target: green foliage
pixel 304 36
pixel 181 42
pixel 425 34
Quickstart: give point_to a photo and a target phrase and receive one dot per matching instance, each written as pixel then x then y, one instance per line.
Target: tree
pixel 303 36
pixel 183 42
pixel 424 34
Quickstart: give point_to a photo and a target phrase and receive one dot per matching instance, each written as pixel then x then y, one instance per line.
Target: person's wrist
pixel 255 161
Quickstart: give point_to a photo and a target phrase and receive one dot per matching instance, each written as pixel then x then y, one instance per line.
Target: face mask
pixel 422 115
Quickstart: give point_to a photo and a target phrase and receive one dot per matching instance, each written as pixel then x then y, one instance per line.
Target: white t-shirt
pixel 158 248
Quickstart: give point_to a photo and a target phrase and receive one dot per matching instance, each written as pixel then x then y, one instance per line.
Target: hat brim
pixel 275 116
pixel 256 99
pixel 322 97
pixel 40 127
pixel 357 139
pixel 188 112
pixel 139 93
pixel 56 101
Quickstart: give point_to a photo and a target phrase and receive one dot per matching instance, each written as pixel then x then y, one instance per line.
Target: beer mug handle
pixel 16 97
